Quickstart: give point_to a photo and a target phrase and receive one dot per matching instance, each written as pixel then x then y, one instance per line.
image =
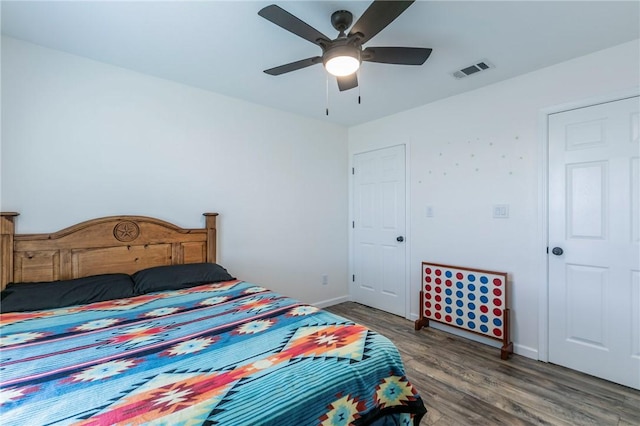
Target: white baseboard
pixel 525 351
pixel 330 302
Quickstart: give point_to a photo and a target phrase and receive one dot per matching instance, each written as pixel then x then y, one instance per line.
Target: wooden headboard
pixel 106 245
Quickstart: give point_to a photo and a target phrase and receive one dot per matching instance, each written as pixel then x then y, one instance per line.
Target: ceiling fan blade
pixel 396 55
pixel 284 19
pixel 377 17
pixel 347 82
pixel 293 66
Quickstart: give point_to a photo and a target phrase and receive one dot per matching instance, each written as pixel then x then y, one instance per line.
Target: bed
pixel 129 320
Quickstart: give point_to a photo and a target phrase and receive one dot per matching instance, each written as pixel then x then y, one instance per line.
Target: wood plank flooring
pixel 466 383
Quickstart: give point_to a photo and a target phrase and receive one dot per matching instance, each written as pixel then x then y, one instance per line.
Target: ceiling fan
pixel 343 55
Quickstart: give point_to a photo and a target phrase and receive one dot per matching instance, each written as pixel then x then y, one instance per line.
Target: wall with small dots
pixel 470 152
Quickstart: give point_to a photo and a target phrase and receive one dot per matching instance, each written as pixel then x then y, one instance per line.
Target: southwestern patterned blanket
pixel 230 353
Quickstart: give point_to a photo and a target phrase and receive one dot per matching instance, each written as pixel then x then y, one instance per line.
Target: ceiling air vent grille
pixel 472 69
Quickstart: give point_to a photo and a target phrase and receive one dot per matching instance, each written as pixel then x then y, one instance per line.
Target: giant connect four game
pixel 470 299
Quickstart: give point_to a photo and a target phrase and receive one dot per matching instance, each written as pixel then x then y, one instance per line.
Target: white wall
pixel 82 139
pixel 481 148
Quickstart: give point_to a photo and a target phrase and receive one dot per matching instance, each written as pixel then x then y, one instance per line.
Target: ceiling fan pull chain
pixel 358 86
pixel 327 92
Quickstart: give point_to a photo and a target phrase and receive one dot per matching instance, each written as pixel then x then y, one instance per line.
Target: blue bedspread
pixel 230 353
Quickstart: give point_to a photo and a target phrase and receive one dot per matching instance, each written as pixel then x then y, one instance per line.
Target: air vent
pixel 472 69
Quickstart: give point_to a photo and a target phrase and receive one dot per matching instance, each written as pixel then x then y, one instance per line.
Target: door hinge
pixel 353 225
pixel 353 170
pixel 547 250
pixel 353 278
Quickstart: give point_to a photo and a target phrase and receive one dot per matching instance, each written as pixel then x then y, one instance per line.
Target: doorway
pixel 593 240
pixel 379 227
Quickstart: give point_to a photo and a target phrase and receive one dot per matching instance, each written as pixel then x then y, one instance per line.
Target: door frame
pixel 407 232
pixel 543 205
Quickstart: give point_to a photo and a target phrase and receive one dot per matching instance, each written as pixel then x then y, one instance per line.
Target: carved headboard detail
pixel 106 245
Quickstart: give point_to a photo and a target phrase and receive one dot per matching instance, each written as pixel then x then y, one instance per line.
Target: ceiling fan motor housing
pixel 342 47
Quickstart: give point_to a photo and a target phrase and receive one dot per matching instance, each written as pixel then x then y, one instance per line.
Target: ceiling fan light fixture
pixel 342 60
pixel 342 65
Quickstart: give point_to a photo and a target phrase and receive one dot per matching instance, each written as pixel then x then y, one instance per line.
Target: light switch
pixel 429 211
pixel 501 211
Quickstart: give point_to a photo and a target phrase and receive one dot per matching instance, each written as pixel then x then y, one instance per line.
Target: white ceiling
pixel 223 46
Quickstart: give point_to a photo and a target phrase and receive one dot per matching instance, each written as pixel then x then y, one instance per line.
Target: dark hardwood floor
pixel 466 383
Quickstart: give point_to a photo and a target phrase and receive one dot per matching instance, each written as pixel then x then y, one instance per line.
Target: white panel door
pixel 594 234
pixel 379 229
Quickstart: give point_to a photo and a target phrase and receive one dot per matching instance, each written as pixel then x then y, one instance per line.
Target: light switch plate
pixel 501 211
pixel 429 211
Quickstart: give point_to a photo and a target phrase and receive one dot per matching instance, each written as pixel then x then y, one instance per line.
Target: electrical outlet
pixel 325 279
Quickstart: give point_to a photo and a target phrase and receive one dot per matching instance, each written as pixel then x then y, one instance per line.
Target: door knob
pixel 557 251
pixel 400 239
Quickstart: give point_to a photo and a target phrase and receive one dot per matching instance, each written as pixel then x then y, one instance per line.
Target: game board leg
pixel 505 351
pixel 421 322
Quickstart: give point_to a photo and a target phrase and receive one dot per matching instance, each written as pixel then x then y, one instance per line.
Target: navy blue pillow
pixel 176 277
pixel 22 297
